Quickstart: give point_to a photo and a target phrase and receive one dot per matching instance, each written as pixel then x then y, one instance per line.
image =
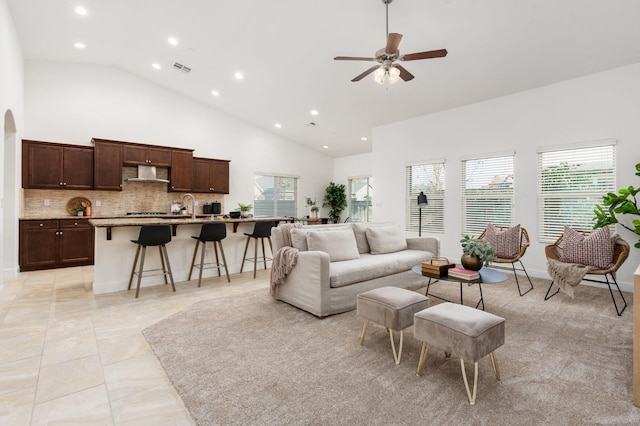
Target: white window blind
pixel 487 193
pixel 428 178
pixel 274 196
pixel 570 184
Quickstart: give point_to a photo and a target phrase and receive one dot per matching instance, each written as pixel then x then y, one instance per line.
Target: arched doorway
pixel 9 199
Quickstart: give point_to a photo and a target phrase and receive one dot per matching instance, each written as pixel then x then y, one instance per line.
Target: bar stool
pixel 215 233
pixel 261 231
pixel 152 235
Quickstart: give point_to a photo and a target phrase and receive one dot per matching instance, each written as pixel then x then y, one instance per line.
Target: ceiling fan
pixel 389 56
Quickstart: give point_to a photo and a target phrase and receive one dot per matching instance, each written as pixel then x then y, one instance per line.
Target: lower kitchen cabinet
pixel 55 243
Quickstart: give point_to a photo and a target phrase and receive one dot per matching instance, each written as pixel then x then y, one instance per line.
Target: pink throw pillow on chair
pixel 594 249
pixel 506 242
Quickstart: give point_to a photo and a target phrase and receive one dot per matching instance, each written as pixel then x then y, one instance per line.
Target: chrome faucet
pixel 193 204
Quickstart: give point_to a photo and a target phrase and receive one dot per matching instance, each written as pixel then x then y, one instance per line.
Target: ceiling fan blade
pixel 393 41
pixel 441 53
pixel 352 58
pixel 404 74
pixel 366 73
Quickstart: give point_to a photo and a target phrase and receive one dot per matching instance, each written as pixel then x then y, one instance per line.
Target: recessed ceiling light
pixel 325 146
pixel 81 11
pixel 79 45
pixel 238 76
pixel 156 65
pixel 173 41
pixel 278 126
pixel 314 112
pixel 215 93
pixel 364 138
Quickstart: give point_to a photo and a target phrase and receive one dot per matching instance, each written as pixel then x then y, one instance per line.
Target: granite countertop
pixel 173 220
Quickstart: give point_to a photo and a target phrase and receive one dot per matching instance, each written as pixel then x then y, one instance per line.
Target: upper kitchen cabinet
pixel 107 165
pixel 47 165
pixel 181 174
pixel 210 175
pixel 145 155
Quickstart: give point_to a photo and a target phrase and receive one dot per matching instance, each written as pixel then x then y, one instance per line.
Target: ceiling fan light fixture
pixel 394 75
pixel 379 74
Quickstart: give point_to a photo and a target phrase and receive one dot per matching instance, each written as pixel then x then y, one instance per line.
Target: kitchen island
pixel 114 251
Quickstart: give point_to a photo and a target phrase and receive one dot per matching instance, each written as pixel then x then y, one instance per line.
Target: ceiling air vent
pixel 182 68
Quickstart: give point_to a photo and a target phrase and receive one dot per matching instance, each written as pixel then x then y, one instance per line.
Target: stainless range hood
pixel 147 174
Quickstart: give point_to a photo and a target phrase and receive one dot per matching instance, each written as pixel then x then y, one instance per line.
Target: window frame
pixel 291 211
pixel 491 194
pixel 368 208
pixel 577 155
pixel 436 197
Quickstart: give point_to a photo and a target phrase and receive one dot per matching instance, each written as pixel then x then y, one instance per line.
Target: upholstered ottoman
pixel 466 332
pixel 392 307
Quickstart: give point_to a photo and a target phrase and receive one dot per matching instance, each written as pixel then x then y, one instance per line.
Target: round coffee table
pixel 487 276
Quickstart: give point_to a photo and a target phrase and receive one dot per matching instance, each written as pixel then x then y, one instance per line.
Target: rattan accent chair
pixel 620 254
pixel 524 243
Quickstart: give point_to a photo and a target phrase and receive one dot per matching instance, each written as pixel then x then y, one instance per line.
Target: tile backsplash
pixel 134 197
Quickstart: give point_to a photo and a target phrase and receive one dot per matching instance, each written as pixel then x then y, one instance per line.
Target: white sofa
pixel 337 262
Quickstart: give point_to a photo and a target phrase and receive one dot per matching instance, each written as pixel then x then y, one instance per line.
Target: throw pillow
pixel 299 235
pixel 594 249
pixel 360 230
pixel 386 240
pixel 339 245
pixel 506 241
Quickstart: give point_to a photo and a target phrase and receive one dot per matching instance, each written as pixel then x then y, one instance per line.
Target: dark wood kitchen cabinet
pixel 181 174
pixel 53 243
pixel 210 175
pixel 107 165
pixel 145 155
pixel 48 165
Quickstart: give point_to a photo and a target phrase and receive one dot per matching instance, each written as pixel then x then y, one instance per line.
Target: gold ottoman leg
pixel 472 398
pixel 364 331
pixel 423 358
pixel 494 362
pixel 396 355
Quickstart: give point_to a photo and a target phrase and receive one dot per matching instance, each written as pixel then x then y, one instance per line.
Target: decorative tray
pixel 76 202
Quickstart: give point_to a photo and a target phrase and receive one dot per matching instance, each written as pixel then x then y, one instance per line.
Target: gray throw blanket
pixel 567 275
pixel 285 258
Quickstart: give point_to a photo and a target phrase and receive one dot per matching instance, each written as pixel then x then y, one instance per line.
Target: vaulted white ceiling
pixel 285 49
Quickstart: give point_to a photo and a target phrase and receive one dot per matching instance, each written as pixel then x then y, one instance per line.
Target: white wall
pixel 11 107
pixel 72 103
pixel 599 106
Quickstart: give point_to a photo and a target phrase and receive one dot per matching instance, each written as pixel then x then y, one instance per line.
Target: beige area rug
pixel 251 360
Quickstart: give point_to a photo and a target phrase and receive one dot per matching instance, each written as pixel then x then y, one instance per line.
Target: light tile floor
pixel 70 357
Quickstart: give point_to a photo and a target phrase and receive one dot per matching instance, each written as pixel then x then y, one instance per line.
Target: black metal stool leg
pixel 215 249
pixel 133 268
pixel 244 256
pixel 164 249
pixel 224 261
pixel 202 252
pixel 255 257
pixel 164 268
pixel 264 253
pixel 193 260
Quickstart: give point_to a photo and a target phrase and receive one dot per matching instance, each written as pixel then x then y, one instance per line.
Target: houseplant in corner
pixel 476 253
pixel 622 208
pixel 244 209
pixel 335 197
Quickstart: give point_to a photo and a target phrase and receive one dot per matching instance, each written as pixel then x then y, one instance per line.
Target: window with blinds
pixel 274 196
pixel 428 178
pixel 361 199
pixel 487 193
pixel 570 184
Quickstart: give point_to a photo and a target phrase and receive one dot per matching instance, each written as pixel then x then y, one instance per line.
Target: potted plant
pixel 313 208
pixel 618 207
pixel 476 253
pixel 335 197
pixel 79 210
pixel 244 209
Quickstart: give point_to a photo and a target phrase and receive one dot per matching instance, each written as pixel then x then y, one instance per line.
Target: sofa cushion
pixel 299 235
pixel 386 240
pixel 360 229
pixel 506 241
pixel 369 266
pixel 595 249
pixel 339 245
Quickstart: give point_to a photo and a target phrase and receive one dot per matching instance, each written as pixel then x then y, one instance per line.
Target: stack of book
pixel 437 267
pixel 464 274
